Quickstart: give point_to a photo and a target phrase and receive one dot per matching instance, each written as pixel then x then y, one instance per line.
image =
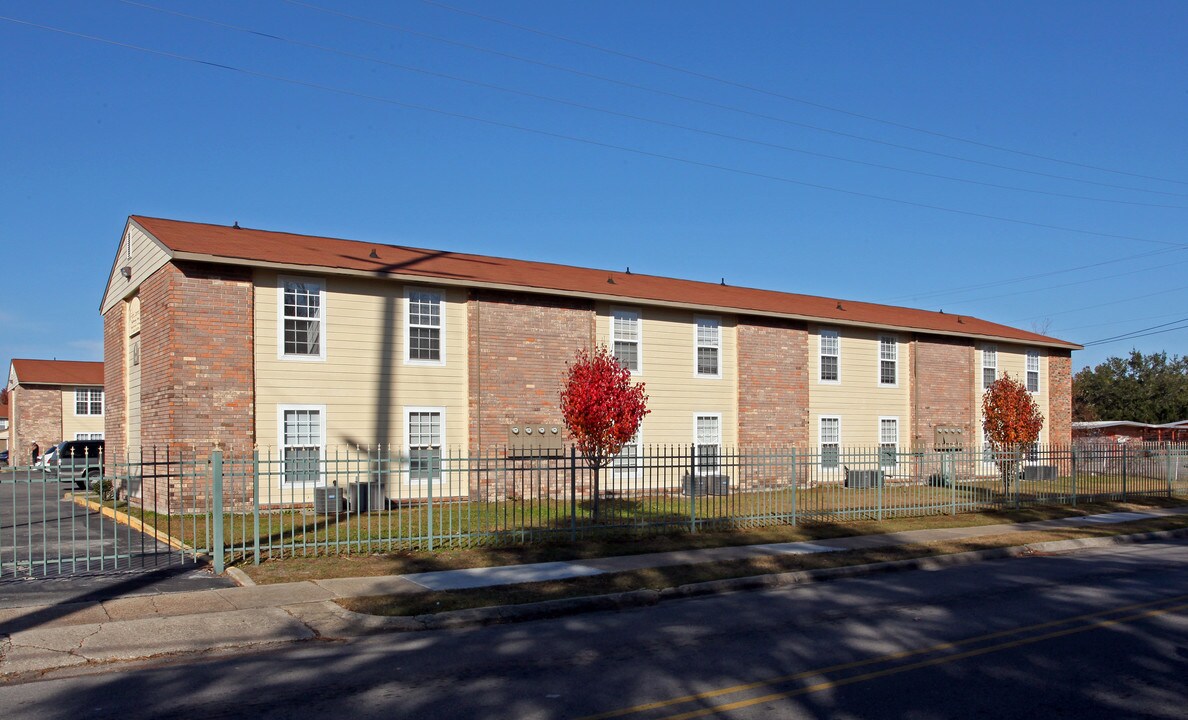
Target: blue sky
pixel 1022 162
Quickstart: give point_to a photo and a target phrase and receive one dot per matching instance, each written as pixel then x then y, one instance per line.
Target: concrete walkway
pixel 35 639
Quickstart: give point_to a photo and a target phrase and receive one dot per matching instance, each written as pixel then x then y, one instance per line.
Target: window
pixel 424 444
pixel 989 366
pixel 135 352
pixel 709 341
pixel 302 318
pixel 88 436
pixel 708 437
pixel 1033 365
pixel 888 360
pixel 625 338
pixel 88 401
pixel 830 438
pixel 302 438
pixel 3 423
pixel 888 442
pixel 627 462
pixel 830 356
pixel 424 326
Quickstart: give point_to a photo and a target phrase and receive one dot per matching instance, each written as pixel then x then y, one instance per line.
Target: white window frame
pixel 408 326
pixel 280 432
pixel 89 391
pixel 883 441
pixel 894 360
pixel 821 335
pixel 88 436
pixel 698 469
pixel 698 344
pixel 323 335
pixel 441 445
pixel 1032 354
pixel 989 362
pixel 629 471
pixel 637 315
pixel 821 440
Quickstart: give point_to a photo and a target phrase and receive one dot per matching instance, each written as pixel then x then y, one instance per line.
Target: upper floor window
pixel 302 318
pixel 88 401
pixel 1033 370
pixel 709 344
pixel 830 356
pixel 989 366
pixel 888 360
pixel 625 338
pixel 424 326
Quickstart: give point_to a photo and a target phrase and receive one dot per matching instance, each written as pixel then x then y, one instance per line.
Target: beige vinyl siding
pixel 72 423
pixel 676 394
pixel 363 332
pixel 857 398
pixel 140 252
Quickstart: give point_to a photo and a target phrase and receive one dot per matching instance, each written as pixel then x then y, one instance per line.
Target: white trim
pixel 879 364
pixel 697 346
pixel 634 471
pixel 717 416
pixel 639 333
pixel 822 333
pixel 988 348
pixel 323 324
pixel 90 389
pixel 441 445
pixel 280 431
pixel 1028 354
pixel 88 436
pixel 821 441
pixel 441 327
pixel 881 442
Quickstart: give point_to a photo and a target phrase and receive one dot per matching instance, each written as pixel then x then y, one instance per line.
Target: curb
pixel 503 614
pixel 126 519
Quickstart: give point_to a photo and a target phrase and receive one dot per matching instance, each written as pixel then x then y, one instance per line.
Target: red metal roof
pixel 58 372
pixel 261 246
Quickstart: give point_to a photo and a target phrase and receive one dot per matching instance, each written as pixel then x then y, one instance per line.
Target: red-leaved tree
pixel 602 408
pixel 1012 420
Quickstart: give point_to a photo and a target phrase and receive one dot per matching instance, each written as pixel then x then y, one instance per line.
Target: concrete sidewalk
pixel 37 639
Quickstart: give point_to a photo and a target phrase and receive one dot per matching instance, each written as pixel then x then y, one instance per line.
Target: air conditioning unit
pixel 329 500
pixel 859 479
pixel 711 484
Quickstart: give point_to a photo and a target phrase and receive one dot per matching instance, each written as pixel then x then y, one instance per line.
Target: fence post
pixel 1124 472
pixel 573 492
pixel 1167 449
pixel 430 494
pixel 693 488
pixel 216 490
pixel 950 474
pixel 255 507
pixel 1072 451
pixel 794 487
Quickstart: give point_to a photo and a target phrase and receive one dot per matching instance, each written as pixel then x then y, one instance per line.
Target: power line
pixel 709 103
pixel 1115 301
pixel 1117 322
pixel 1141 333
pixel 584 141
pixel 630 116
pixel 791 98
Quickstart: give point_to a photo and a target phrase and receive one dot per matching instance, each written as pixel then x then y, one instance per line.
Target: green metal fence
pixel 272 505
pixel 275 504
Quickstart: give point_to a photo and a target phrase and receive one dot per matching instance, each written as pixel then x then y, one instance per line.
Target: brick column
pixel 1060 397
pixel 943 388
pixel 773 402
pixel 115 432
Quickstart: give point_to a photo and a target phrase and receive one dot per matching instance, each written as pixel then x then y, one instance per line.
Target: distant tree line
pixel 1143 388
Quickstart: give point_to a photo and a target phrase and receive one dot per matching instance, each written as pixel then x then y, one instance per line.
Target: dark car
pixel 77 460
pixel 3 457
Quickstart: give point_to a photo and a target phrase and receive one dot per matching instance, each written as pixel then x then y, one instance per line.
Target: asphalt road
pixel 1096 634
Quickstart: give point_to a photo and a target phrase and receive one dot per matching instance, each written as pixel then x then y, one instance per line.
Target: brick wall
pixel 773 401
pixel 943 388
pixel 197 369
pixel 114 402
pixel 1060 397
pixel 518 346
pixel 36 417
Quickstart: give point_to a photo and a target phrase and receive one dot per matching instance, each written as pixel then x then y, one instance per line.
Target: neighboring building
pixel 1129 431
pixel 3 421
pixel 221 336
pixel 50 401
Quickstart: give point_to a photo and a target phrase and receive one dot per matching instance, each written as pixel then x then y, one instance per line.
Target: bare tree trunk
pixel 597 491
